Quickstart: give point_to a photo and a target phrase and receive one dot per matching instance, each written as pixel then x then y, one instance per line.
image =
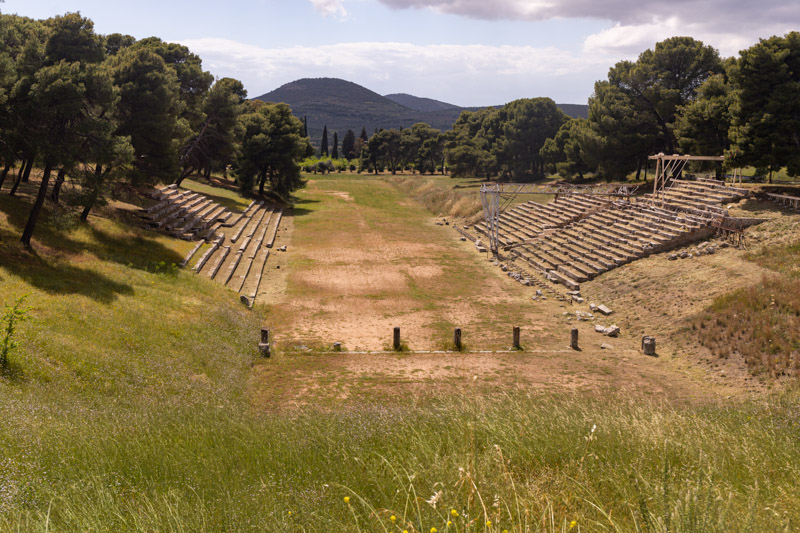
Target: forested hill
pixel 341 105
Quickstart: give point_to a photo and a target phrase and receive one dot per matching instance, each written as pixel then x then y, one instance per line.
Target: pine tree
pixel 335 151
pixel 323 149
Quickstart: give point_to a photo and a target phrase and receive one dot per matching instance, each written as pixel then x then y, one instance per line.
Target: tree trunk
pixel 92 199
pixel 37 207
pixel 20 175
pixel 261 183
pixel 638 169
pixel 4 174
pixel 208 173
pixel 57 185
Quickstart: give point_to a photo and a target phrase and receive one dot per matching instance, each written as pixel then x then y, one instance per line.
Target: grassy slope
pixel 127 409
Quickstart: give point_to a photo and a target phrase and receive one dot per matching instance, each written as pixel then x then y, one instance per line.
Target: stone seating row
pixel 184 214
pixel 603 241
pixel 240 264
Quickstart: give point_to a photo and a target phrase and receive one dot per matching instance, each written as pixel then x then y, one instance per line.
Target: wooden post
pixel 574 339
pixel 396 341
pixel 263 346
pixel 517 345
pixel 457 338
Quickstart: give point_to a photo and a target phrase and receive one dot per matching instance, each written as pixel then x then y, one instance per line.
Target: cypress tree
pixel 364 134
pixel 335 151
pixel 305 126
pixel 348 144
pixel 323 147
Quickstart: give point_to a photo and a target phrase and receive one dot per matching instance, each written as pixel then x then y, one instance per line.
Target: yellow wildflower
pixel 488 523
pixel 454 512
pixel 347 499
pixel 393 518
pixel 573 524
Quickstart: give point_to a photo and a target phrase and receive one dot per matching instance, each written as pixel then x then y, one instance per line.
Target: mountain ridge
pixel 341 105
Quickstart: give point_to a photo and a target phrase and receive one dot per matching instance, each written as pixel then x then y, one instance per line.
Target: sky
pixel 465 52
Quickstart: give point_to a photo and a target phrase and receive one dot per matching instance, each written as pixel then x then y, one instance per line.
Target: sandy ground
pixel 355 269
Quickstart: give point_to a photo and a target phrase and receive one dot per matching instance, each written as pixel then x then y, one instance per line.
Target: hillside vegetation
pixel 341 105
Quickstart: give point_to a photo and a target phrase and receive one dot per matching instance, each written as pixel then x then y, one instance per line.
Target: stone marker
pixel 396 340
pixel 263 346
pixel 457 338
pixel 605 310
pixel 599 329
pixel 649 345
pixel 517 345
pixel 573 339
pixel 611 331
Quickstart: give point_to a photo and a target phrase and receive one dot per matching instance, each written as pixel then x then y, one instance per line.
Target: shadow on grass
pixel 297 209
pixel 51 271
pixel 56 276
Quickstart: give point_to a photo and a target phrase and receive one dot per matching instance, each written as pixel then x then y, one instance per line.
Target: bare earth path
pixel 363 259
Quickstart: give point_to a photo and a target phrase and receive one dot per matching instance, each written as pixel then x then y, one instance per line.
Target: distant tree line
pixel 102 109
pixel 680 97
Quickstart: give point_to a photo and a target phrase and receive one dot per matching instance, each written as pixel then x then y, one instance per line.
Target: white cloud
pixel 462 74
pixel 729 25
pixel 330 7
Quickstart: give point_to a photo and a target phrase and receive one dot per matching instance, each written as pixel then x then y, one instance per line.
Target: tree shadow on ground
pixel 134 247
pixel 297 210
pixel 56 276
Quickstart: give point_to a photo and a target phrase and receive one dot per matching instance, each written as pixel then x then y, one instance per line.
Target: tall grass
pixel 443 201
pixel 760 323
pixel 520 462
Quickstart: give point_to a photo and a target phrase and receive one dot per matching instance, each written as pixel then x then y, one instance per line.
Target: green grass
pixel 226 197
pixel 524 462
pixel 128 407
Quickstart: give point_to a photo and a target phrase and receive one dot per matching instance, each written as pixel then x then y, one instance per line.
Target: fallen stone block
pixel 603 309
pixel 611 331
pixel 605 346
pixel 599 329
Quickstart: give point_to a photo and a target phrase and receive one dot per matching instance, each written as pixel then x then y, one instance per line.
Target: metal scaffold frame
pixel 668 166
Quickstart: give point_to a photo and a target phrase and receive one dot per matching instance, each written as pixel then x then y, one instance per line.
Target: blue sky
pixel 467 52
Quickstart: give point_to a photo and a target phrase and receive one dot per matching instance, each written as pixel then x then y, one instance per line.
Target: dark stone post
pixel 649 345
pixel 396 340
pixel 457 338
pixel 517 345
pixel 574 339
pixel 263 346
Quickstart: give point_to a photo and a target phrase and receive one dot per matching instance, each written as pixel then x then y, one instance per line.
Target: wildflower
pixel 449 523
pixel 488 523
pixel 393 519
pixel 573 524
pixel 290 513
pixel 347 499
pixel 434 499
pixel 434 530
pixel 454 512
